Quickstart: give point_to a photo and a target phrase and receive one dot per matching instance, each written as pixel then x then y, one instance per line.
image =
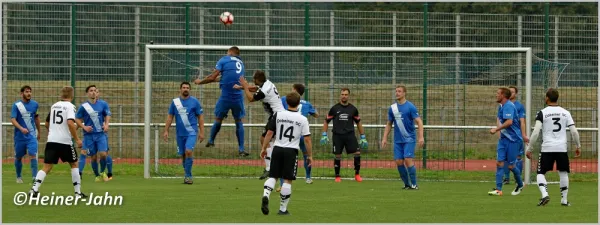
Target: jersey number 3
pixel 288 133
pixel 57 115
pixel 557 123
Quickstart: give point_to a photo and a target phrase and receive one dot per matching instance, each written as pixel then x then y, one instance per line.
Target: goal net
pixel 454 90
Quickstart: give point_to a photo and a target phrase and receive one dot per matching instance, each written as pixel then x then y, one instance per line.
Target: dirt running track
pixel 581 166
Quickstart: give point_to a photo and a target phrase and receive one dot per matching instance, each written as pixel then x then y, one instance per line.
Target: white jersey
pixel 289 127
pixel 555 122
pixel 58 131
pixel 269 96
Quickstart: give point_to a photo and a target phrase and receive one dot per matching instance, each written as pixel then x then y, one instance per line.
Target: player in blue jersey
pixel 93 116
pixel 306 109
pixel 230 68
pixel 403 114
pixel 188 115
pixel 522 115
pixel 510 142
pixel 109 161
pixel 24 116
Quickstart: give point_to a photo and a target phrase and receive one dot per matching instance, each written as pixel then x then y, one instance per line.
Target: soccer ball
pixel 226 18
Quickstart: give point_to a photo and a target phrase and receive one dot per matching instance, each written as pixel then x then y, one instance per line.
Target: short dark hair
pixel 67 92
pixel 514 87
pixel 88 87
pixel 292 99
pixel 184 83
pixel 402 86
pixel 235 50
pixel 552 95
pixel 260 76
pixel 505 92
pixel 25 87
pixel 346 89
pixel 299 88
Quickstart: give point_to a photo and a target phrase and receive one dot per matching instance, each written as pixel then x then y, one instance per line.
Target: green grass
pixel 237 200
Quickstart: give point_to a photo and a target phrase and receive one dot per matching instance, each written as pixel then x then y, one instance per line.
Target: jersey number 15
pixel 57 115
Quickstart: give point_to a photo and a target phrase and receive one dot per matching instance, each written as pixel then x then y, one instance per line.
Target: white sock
pixel 269 185
pixel 286 193
pixel 564 186
pixel 76 179
pixel 39 179
pixel 541 180
pixel 268 158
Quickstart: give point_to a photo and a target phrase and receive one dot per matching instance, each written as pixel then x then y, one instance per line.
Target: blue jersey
pixel 231 68
pixel 403 116
pixel 513 132
pixel 25 113
pixel 93 115
pixel 186 115
pixel 520 110
pixel 305 108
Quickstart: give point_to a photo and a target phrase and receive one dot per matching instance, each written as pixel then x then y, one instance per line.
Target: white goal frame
pixel 148 80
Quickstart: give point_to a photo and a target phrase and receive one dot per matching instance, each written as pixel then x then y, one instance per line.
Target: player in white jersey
pixel 266 92
pixel 61 129
pixel 553 121
pixel 289 126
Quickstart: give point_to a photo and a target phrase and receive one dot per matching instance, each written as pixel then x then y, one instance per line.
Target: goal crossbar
pixel 148 74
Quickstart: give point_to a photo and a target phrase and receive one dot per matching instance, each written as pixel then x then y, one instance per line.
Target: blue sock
pixel 506 171
pixel 189 161
pixel 280 182
pixel 520 164
pixel 109 164
pixel 239 132
pixel 102 165
pixel 95 167
pixel 499 174
pixel 403 175
pixel 517 172
pixel 81 162
pixel 19 167
pixel 412 173
pixel 306 167
pixel 34 167
pixel 213 131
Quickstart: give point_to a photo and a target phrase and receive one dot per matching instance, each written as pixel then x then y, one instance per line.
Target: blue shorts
pixel 186 143
pixel 23 147
pixel 223 107
pixel 94 143
pixel 302 145
pixel 404 150
pixel 507 151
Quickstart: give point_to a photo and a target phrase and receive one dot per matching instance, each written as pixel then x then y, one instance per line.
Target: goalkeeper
pixel 344 115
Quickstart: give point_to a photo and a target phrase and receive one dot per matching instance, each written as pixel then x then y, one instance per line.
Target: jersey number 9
pixel 238 66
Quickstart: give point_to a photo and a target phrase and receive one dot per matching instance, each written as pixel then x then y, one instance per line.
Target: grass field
pixel 238 200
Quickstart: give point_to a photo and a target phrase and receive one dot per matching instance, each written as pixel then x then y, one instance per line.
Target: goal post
pixel 149 48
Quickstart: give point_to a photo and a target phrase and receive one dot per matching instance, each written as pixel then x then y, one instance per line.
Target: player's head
pixel 400 92
pixel 551 96
pixel 91 91
pixel 292 99
pixel 66 93
pixel 259 77
pixel 184 88
pixel 26 92
pixel 233 51
pixel 513 91
pixel 299 88
pixel 344 95
pixel 502 94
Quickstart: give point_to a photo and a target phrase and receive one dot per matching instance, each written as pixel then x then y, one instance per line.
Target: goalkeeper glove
pixel 324 139
pixel 363 142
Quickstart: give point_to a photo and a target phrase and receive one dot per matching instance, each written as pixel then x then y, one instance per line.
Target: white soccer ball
pixel 226 18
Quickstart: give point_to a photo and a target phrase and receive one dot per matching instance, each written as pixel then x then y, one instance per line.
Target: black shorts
pixel 547 159
pixel 345 141
pixel 55 151
pixel 264 134
pixel 284 163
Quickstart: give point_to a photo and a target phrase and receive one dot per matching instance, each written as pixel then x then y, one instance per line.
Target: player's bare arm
pixel 575 137
pixel 534 137
pixel 167 126
pixel 47 123
pixel 201 128
pixel 213 77
pixel 420 136
pixel 308 144
pixel 505 125
pixel 106 122
pixel 361 130
pixel 247 92
pixel 315 115
pixel 38 126
pixel 79 122
pixel 524 130
pixel 386 132
pixel 266 143
pixel 73 130
pixel 18 126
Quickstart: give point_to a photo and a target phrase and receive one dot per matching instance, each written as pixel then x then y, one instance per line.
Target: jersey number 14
pixel 288 133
